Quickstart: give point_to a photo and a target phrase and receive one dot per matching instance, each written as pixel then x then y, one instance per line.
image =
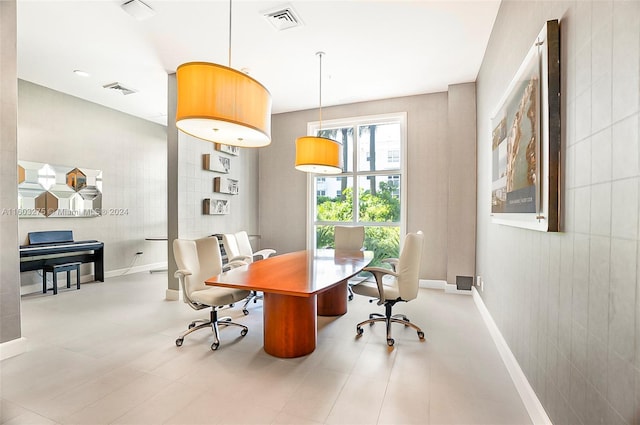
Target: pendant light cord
pixel 320 54
pixel 230 33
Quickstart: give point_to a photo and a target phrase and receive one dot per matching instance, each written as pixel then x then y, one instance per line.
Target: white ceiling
pixel 374 49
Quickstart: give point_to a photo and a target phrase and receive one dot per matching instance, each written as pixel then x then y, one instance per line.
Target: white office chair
pixel 238 248
pixel 197 261
pixel 349 237
pixel 392 286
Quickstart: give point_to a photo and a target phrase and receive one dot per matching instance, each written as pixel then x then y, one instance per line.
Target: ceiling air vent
pixel 283 17
pixel 119 88
pixel 138 9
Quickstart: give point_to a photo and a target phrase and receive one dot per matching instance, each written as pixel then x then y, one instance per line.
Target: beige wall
pixel 283 189
pixel 60 129
pixel 461 210
pixel 568 303
pixel 9 271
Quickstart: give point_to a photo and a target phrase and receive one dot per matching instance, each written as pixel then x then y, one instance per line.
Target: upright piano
pixel 58 247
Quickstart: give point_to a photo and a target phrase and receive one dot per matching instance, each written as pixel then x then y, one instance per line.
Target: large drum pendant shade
pixel 318 155
pixel 219 104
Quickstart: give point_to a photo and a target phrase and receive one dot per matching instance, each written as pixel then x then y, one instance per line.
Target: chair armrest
pixel 393 262
pixel 378 273
pixel 264 253
pixel 233 264
pixel 179 274
pixel 244 258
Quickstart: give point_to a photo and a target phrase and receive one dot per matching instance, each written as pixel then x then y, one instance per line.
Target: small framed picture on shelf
pixel 217 163
pixel 225 185
pixel 231 150
pixel 215 206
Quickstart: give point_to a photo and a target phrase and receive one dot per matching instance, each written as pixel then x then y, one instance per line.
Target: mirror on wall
pixel 46 190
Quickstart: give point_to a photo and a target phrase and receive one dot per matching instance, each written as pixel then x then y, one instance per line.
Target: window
pixel 369 191
pixel 394 185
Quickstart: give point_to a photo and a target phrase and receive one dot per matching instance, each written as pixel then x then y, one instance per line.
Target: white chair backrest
pixel 201 257
pixel 230 245
pixel 349 237
pixel 408 268
pixel 244 246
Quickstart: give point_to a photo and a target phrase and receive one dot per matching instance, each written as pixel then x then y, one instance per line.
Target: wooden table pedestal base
pixel 289 325
pixel 333 301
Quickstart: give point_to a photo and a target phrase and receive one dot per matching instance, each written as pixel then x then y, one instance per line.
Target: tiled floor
pixel 106 355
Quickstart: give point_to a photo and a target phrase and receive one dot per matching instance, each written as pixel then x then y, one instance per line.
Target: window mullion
pixel 354 173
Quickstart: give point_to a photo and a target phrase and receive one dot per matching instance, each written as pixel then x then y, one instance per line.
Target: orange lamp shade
pixel 222 105
pixel 318 155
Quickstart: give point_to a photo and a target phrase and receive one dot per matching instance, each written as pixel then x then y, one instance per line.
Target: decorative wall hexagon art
pixel 76 179
pixel 46 190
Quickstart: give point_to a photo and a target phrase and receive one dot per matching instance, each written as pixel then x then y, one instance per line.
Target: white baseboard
pixel 531 402
pixel 172 295
pixel 452 288
pixel 37 286
pixel 432 284
pixel 13 348
pixel 135 269
pixel 62 282
pixel 448 288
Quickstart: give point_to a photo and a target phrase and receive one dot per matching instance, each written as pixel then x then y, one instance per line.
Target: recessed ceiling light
pixel 81 73
pixel 137 9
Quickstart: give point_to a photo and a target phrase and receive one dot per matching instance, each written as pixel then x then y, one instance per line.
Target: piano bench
pixel 57 268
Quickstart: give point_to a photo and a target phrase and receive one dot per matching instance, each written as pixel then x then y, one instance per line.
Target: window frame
pixel 355 122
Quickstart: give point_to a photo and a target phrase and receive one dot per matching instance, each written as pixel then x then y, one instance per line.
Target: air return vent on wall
pixel 283 17
pixel 119 87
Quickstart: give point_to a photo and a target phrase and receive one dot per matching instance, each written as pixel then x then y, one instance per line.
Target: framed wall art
pixel 217 163
pixel 215 206
pixel 49 190
pixel 525 184
pixel 225 185
pixel 231 150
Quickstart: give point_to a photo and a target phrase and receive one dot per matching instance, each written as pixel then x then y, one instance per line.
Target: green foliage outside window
pixel 379 207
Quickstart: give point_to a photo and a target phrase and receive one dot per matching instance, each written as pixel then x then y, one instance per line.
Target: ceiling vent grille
pixel 119 88
pixel 137 9
pixel 283 17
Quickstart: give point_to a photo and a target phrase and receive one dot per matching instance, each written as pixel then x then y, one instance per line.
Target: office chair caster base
pixel 390 342
pixel 421 335
pixel 179 342
pixel 359 331
pixel 215 346
pixel 244 332
pixel 245 311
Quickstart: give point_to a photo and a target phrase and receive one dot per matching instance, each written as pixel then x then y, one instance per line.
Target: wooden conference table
pixel 296 287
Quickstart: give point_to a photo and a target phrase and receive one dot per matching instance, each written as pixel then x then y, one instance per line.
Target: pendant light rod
pixel 219 104
pixel 230 11
pixel 320 54
pixel 317 154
